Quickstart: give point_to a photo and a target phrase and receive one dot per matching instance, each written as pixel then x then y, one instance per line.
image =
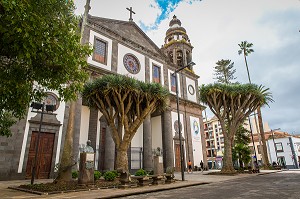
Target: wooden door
pixel 44 157
pixel 177 157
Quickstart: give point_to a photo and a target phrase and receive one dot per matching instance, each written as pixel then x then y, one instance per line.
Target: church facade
pixel 120 47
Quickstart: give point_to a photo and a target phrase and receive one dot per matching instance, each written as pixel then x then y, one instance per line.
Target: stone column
pixel 114 56
pixel 167 139
pixel 109 151
pixel 92 133
pixel 147 145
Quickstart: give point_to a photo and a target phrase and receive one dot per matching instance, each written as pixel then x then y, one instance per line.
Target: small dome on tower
pixel 175 22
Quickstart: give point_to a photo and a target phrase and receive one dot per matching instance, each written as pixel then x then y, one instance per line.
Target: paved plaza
pixel 191 180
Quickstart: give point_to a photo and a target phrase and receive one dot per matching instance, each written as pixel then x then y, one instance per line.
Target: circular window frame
pixel 136 60
pixel 55 98
pixel 191 89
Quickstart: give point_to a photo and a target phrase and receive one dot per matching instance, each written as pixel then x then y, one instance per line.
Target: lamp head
pixel 36 105
pixel 191 63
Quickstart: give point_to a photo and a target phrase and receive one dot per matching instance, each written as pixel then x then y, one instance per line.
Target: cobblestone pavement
pixel 191 179
pixel 274 186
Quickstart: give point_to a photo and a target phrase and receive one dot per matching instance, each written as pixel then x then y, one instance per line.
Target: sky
pixel 215 28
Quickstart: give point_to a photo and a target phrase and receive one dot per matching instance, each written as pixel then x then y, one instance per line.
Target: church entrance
pixel 177 157
pixel 45 151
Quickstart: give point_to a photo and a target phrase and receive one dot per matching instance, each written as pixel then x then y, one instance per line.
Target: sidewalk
pixel 191 179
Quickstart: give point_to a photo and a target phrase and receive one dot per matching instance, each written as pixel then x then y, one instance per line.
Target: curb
pixel 153 190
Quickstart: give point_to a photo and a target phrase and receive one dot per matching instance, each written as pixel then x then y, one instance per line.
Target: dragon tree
pixel 232 104
pixel 125 103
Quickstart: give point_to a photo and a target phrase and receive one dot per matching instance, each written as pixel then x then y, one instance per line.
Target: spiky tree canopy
pixel 232 103
pixel 127 101
pixel 239 100
pixel 224 71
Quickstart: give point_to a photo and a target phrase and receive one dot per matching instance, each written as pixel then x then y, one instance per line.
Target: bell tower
pixel 177 46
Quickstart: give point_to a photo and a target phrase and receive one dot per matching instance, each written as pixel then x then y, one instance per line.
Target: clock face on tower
pixel 191 89
pixel 131 63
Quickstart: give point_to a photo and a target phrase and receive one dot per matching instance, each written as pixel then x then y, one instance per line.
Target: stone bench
pixel 256 170
pixel 143 180
pixel 169 178
pixel 157 179
pixel 150 179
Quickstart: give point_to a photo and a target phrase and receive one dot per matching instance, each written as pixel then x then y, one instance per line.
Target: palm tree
pixel 125 103
pixel 246 49
pixel 232 104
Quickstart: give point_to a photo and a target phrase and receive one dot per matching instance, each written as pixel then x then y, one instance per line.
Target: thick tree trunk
pixel 66 162
pixel 122 159
pixel 227 159
pixel 263 139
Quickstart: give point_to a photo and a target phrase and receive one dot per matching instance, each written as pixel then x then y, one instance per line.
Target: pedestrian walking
pixel 201 166
pixel 190 166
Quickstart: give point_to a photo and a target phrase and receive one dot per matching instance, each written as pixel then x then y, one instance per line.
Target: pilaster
pixel 147 144
pixel 167 138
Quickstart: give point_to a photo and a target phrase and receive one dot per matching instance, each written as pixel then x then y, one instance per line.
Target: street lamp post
pixel 39 106
pixel 178 113
pixel 275 143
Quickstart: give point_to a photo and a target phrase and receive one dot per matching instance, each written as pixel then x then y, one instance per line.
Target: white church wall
pixel 153 62
pixel 137 140
pixel 60 117
pixel 196 140
pixel 191 90
pixel 123 50
pixel 84 127
pixel 156 131
pixel 25 137
pixel 97 140
pixel 90 60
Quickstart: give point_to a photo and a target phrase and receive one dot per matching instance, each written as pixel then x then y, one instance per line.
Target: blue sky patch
pixel 166 7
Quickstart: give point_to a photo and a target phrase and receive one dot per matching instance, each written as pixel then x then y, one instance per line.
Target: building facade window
pixel 173 83
pixel 279 147
pixel 156 74
pixel 100 51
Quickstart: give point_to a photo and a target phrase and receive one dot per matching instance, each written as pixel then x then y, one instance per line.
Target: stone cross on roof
pixel 131 11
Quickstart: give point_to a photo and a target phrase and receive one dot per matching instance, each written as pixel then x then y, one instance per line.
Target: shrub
pixel 109 176
pixel 97 175
pixel 116 172
pixel 140 172
pixel 75 174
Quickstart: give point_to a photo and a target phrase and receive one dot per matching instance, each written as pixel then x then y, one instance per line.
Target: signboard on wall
pixel 196 140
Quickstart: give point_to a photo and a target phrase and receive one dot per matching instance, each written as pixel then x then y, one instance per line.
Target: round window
pixel 131 63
